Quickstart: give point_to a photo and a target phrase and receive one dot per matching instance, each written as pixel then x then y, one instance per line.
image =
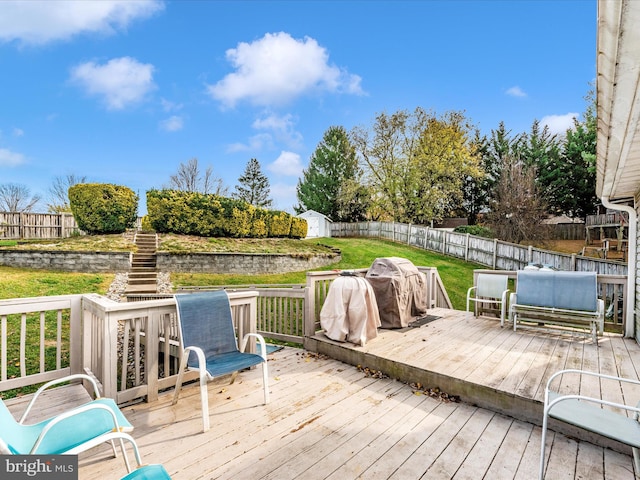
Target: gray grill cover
pixel 400 289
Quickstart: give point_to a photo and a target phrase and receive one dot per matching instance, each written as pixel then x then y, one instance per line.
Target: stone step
pixel 148 288
pixel 144 274
pixel 142 281
pixel 142 269
pixel 144 256
pixel 143 263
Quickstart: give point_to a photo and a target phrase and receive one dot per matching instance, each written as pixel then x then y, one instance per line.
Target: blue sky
pixel 124 91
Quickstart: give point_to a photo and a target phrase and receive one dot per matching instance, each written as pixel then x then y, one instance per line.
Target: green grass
pixel 22 282
pixel 19 283
pixel 456 275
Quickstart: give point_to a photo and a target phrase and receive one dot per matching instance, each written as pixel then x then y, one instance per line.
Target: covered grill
pixel 400 290
pixel 350 312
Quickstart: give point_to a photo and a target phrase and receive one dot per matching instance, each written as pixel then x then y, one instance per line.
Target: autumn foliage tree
pixel 415 164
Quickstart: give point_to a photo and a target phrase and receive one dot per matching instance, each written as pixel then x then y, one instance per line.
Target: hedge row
pixel 206 215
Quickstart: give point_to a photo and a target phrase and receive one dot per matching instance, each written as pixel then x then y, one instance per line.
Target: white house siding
pixel 637 268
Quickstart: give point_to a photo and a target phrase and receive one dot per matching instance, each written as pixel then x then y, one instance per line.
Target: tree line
pixel 253 188
pixel 413 167
pixel 419 167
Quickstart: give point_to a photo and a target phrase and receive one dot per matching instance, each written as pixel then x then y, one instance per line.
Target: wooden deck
pixel 327 419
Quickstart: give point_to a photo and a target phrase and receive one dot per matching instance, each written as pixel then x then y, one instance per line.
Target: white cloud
pixel 256 143
pixel 37 22
pixel 284 196
pixel 172 124
pixel 10 159
pixel 283 128
pixel 278 68
pixel 516 92
pixel 17 132
pixel 559 124
pixel 169 106
pixel 120 82
pixel 288 163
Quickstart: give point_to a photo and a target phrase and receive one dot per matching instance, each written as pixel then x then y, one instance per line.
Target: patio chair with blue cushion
pixel 210 346
pixel 592 414
pixel 491 290
pixel 71 432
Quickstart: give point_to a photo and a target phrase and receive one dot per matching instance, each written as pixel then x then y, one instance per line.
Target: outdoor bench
pixel 558 299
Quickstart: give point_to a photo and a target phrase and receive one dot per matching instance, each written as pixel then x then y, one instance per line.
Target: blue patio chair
pixel 491 290
pixel 210 346
pixel 588 413
pixel 71 432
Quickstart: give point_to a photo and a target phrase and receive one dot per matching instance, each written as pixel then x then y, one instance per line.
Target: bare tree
pixel 189 178
pixel 17 198
pixel 517 209
pixel 59 192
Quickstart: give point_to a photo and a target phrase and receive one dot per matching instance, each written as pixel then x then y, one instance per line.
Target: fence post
pixel 466 249
pixel 573 262
pixel 530 249
pixel 309 308
pixel 409 235
pixel 495 253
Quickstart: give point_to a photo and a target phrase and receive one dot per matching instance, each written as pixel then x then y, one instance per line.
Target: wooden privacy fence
pixel 25 225
pixel 492 253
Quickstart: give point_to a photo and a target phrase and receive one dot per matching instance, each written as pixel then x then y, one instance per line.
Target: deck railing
pixel 132 348
pixel 40 339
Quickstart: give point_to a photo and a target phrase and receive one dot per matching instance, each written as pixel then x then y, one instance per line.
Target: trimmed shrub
pixel 103 208
pixel 146 224
pixel 298 227
pixel 187 213
pixel 279 224
pixel 206 215
pixel 259 224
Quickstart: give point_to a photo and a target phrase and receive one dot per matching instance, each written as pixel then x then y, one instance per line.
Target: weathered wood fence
pixel 488 252
pixel 25 225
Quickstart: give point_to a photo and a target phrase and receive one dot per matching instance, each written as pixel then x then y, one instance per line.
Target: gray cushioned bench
pixel 560 299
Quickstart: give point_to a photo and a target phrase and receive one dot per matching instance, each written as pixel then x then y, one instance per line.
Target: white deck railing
pixel 132 348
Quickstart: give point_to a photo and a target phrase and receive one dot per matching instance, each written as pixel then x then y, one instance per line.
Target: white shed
pixel 319 225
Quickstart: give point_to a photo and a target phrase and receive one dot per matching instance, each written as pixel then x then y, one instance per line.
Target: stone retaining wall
pixel 252 263
pixel 67 261
pixel 239 263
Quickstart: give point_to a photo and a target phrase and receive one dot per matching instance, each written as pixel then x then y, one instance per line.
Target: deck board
pixel 328 420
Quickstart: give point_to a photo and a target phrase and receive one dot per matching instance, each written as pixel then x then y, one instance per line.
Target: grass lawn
pixel 456 275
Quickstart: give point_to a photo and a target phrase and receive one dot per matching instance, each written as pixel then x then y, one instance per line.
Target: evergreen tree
pixel 333 163
pixel 572 177
pixel 541 150
pixel 493 152
pixel 254 186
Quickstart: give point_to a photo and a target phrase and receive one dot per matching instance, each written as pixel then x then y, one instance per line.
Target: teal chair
pixel 148 472
pixel 71 432
pixel 210 345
